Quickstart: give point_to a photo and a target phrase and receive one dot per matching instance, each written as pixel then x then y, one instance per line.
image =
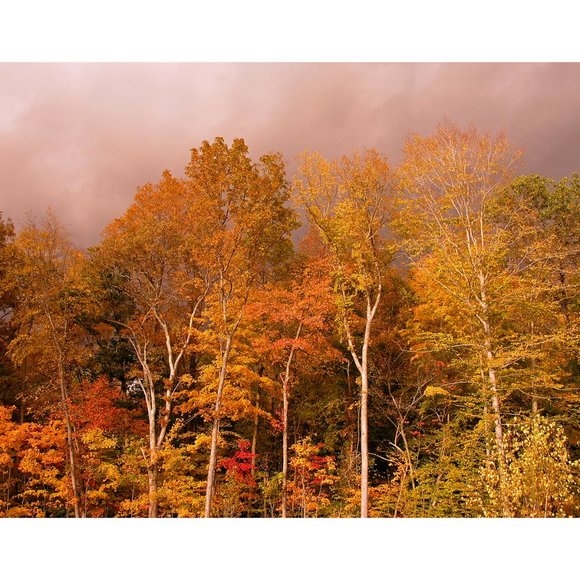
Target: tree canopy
pixel 411 351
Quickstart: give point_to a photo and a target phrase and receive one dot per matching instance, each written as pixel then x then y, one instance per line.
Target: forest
pixel 358 339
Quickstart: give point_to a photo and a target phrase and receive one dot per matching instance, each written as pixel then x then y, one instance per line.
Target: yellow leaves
pixel 433 391
pixel 446 180
pixel 96 440
pixel 182 496
pixel 48 277
pixel 186 379
pixel 348 200
pixel 315 474
pixel 538 476
pixel 202 441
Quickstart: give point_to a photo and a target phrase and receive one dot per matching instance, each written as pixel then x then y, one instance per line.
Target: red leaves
pixel 240 465
pixel 277 422
pixel 95 406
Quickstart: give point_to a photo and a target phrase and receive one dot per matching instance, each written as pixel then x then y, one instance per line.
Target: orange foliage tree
pixel 146 258
pixel 54 296
pixel 350 202
pixel 243 231
pixel 294 321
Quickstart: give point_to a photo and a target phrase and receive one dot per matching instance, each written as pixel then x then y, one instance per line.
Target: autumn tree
pixel 539 472
pixel 159 284
pixel 448 181
pixel 240 484
pixel 106 427
pixel 542 217
pixel 294 320
pixel 242 229
pixel 349 201
pixel 314 476
pixel 7 303
pixel 53 297
pixel 33 459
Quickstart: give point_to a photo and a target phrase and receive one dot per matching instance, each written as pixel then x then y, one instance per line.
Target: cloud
pixel 82 137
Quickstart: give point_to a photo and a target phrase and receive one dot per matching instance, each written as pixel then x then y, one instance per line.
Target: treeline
pixel 416 354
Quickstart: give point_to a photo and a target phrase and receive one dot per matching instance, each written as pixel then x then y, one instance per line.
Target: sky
pixel 82 137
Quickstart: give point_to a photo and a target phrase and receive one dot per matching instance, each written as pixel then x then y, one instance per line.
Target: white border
pixel 298 30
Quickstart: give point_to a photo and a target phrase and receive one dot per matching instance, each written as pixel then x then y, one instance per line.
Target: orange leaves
pixel 32 465
pixel 47 274
pixel 296 316
pixel 149 249
pixel 12 438
pixel 238 207
pixel 97 405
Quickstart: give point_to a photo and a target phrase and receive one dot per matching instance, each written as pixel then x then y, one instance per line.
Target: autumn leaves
pixel 427 304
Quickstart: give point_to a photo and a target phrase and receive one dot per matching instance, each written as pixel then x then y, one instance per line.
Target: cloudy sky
pixel 81 138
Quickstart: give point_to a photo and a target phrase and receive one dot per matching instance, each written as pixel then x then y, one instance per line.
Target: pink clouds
pixel 82 137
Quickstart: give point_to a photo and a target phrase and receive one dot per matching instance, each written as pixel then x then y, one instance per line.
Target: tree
pixel 32 463
pixel 7 303
pixel 105 428
pixel 314 475
pixel 242 227
pixel 294 320
pixel 53 297
pixel 539 471
pixel 542 221
pixel 448 181
pixel 240 484
pixel 150 268
pixel 349 201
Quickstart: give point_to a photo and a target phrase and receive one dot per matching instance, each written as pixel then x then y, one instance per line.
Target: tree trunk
pixel 152 477
pixel 495 404
pixel 152 464
pixel 498 436
pixel 364 421
pixel 285 383
pixel 149 392
pixel 362 366
pixel 364 441
pixel 69 440
pixel 408 455
pixel 210 487
pixel 285 449
pixel 255 433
